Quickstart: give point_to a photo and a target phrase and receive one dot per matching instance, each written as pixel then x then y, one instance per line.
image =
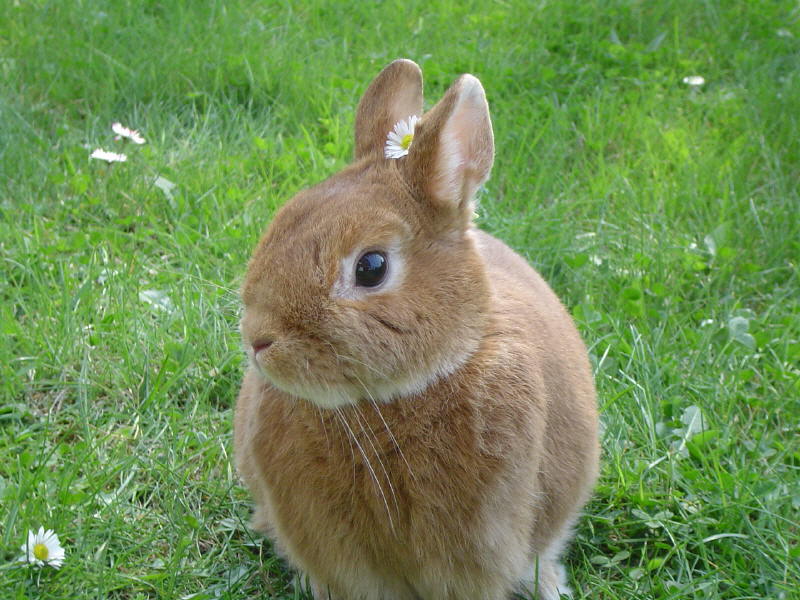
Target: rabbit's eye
pixel 371 269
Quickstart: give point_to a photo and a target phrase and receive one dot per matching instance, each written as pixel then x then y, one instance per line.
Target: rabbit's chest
pixel 372 482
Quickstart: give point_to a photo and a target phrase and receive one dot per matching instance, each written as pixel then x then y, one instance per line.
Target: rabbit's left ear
pixel 452 152
pixel 394 95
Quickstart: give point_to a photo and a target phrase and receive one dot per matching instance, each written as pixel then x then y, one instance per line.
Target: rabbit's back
pixel 528 312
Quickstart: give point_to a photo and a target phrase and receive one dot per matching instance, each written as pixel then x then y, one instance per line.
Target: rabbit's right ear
pixel 452 151
pixel 395 94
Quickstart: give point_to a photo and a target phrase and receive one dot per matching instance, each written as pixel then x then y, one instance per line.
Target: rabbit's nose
pixel 261 344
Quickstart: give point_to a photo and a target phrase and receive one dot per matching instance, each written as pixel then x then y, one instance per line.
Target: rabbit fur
pixel 432 437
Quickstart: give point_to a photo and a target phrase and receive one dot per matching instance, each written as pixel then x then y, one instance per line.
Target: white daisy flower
pixel 109 157
pixel 694 80
pixel 43 548
pixel 127 133
pixel 399 139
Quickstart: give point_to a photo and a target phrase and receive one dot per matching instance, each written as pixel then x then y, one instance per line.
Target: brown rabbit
pixel 418 419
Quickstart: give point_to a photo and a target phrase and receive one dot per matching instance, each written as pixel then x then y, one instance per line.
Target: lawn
pixel 666 215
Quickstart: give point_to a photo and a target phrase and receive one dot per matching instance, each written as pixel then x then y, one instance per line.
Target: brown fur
pixel 430 440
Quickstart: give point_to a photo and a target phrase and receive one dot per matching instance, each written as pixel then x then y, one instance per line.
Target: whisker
pixel 337 412
pixel 322 423
pixel 356 361
pixel 377 409
pixel 370 437
pixel 391 435
pixel 343 420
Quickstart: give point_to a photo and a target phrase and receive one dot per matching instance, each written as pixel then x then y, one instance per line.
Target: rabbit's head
pixel 368 286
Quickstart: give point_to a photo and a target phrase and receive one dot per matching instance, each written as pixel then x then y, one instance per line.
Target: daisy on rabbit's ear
pixel 400 137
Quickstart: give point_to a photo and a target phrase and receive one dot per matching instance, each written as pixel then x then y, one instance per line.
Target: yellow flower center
pixel 41 552
pixel 406 141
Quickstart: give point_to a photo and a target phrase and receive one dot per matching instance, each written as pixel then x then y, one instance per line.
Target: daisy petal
pixel 694 80
pixel 399 140
pixel 127 133
pixel 109 157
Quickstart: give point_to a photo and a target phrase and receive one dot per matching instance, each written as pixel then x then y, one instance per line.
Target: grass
pixel 667 217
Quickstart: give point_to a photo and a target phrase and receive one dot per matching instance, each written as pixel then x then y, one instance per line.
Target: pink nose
pixel 261 344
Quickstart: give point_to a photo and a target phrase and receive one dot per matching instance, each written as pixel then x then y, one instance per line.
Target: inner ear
pixel 453 149
pixel 395 94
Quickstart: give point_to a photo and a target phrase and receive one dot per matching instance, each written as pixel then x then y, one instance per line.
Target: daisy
pixel 126 133
pixel 109 157
pixel 43 548
pixel 399 139
pixel 694 80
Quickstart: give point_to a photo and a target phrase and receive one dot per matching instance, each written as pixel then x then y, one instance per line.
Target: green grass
pixel 668 219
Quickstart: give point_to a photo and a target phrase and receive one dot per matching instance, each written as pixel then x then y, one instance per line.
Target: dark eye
pixel 370 269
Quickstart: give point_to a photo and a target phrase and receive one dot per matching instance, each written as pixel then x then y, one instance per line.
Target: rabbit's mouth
pixel 305 371
pixel 330 381
pixel 308 385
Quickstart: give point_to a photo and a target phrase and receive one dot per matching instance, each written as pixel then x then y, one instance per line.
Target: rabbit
pixel 417 420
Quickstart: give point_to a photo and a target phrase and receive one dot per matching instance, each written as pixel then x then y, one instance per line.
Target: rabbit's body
pixel 427 441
